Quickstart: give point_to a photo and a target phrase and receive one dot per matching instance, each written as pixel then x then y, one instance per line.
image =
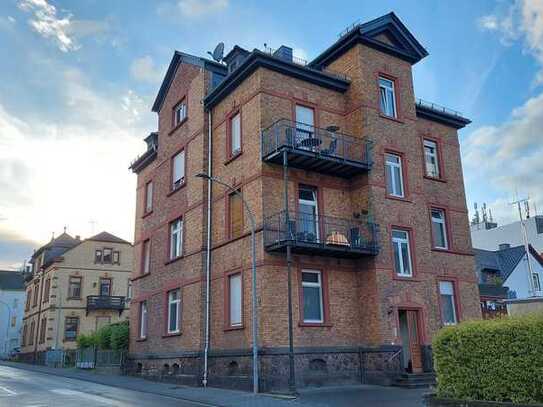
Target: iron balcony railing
pixel 323 144
pixel 96 302
pixel 321 233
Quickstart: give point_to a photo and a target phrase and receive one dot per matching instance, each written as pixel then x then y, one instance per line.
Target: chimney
pixel 284 53
pixel 503 246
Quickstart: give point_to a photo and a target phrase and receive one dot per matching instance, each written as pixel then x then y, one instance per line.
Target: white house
pixel 12 300
pixel 488 236
pixel 508 266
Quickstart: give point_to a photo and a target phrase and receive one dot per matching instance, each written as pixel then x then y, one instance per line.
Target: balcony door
pixel 105 287
pixel 308 214
pixel 305 122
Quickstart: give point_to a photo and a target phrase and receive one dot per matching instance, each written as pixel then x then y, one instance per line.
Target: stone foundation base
pixel 233 369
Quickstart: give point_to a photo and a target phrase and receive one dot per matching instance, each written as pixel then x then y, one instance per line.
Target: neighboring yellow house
pixel 76 286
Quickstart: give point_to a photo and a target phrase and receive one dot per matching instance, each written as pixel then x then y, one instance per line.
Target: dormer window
pixel 180 112
pixel 232 67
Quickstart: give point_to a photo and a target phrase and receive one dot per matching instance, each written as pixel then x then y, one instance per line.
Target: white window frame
pixel 176 245
pixel 304 130
pixel 176 302
pixel 387 91
pixel 178 170
pixel 235 320
pixel 442 222
pixel 180 112
pixel 391 167
pixel 453 301
pixel 314 203
pixel 536 282
pixel 318 285
pixel 398 241
pixel 143 320
pixel 431 153
pixel 149 197
pixel 235 134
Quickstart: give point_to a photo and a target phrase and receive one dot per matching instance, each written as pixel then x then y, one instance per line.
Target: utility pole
pixel 518 203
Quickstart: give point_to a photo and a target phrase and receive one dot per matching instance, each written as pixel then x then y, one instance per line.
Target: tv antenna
pixel 218 52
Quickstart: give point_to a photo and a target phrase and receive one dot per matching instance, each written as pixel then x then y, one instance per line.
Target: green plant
pixel 104 337
pixel 87 341
pixel 493 360
pixel 120 336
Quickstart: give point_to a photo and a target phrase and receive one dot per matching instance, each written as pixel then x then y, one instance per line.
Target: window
pixel 129 291
pixel 98 256
pixel 305 122
pixel 394 175
pixel 25 328
pixel 28 299
pixel 105 287
pixel 235 208
pixel 148 197
pixel 174 311
pixel 180 113
pixel 116 257
pixel 31 338
pixel 178 170
pixel 431 159
pixel 42 329
pixel 46 290
pixel 537 285
pixel 143 319
pixel 146 257
pixel 308 214
pixel 176 238
pixel 107 258
pixel 235 298
pixel 402 253
pixel 448 305
pixel 71 327
pixel 387 97
pixel 235 134
pixel 439 229
pixel 36 294
pixel 312 296
pixel 74 287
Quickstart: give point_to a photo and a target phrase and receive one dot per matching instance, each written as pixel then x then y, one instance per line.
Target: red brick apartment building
pixel 358 195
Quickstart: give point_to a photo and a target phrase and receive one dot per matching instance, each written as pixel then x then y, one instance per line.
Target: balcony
pixel 314 149
pixel 321 235
pixel 113 302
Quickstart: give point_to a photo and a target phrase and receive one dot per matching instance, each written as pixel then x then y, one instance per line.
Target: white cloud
pixel 192 8
pixel 522 20
pixel 143 69
pixel 63 31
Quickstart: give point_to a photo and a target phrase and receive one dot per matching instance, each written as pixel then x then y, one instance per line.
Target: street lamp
pixel 253 282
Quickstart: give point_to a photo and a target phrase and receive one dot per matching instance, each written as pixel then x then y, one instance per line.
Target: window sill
pixel 435 179
pixel 169 335
pixel 233 328
pixel 233 157
pixel 397 198
pixel 146 214
pixel 315 324
pixel 395 276
pixel 173 191
pixel 177 126
pixel 73 298
pixel 141 339
pixel 394 119
pixel 173 260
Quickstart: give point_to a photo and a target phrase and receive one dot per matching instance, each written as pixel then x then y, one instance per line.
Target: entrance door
pixel 410 334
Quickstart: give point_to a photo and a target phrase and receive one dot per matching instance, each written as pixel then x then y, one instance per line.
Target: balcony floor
pixel 322 249
pixel 318 162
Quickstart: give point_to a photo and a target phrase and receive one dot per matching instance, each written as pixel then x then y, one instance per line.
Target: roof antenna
pixel 218 52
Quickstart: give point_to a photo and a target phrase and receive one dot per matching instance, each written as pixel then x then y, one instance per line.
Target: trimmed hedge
pixel 109 337
pixel 119 336
pixel 494 360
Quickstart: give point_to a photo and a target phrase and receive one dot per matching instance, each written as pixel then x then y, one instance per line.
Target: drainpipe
pixel 208 250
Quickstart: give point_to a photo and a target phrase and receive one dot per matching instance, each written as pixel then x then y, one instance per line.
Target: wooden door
pixel 414 341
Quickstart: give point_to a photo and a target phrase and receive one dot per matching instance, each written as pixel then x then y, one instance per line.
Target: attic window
pixel 233 65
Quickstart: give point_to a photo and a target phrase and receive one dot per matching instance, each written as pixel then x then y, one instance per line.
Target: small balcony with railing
pixel 321 235
pixel 105 302
pixel 311 148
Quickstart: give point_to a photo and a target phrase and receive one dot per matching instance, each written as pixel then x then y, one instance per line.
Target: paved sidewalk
pixel 359 395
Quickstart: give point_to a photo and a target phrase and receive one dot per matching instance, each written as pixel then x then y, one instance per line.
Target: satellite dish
pixel 217 52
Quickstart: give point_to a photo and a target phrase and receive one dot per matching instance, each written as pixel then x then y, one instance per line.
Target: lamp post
pixel 253 282
pixel 6 344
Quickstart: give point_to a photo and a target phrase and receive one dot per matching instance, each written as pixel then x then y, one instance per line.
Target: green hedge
pixel 494 360
pixel 113 336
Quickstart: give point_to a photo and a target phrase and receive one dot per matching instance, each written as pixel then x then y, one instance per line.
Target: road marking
pixel 81 394
pixel 8 391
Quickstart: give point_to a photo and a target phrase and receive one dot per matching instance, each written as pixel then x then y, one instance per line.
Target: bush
pixel 87 341
pixel 493 360
pixel 119 336
pixel 104 337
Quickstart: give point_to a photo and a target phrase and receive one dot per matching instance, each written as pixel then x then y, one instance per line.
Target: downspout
pixel 208 250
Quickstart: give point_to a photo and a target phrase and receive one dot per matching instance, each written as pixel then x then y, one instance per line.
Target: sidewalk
pixel 206 397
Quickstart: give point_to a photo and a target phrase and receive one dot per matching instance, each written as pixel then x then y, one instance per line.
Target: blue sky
pixel 79 78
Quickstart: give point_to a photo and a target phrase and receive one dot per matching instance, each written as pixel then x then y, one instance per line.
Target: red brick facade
pixel 361 297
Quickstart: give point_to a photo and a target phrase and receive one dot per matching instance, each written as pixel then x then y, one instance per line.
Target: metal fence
pixel 88 358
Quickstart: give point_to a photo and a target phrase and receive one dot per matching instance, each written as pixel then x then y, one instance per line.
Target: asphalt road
pixel 20 388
